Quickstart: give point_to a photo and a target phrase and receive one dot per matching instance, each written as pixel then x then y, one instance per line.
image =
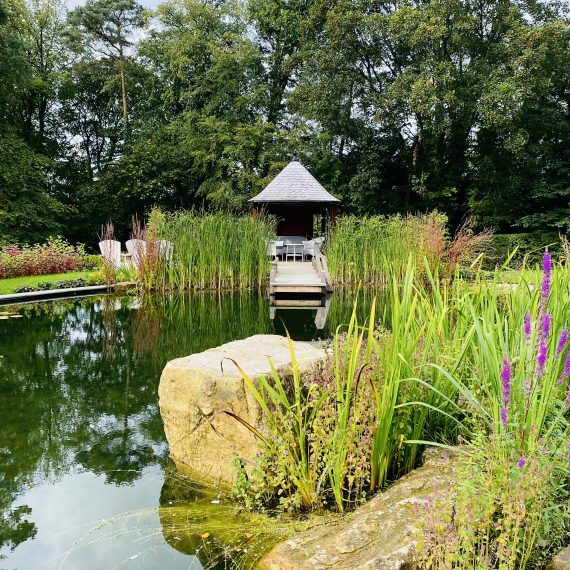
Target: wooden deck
pixel 309 277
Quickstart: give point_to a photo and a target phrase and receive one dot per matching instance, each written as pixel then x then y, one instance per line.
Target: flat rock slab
pixel 562 560
pixel 380 535
pixel 196 390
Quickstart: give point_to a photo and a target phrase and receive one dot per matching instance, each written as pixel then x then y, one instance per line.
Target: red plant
pixel 466 243
pixel 55 256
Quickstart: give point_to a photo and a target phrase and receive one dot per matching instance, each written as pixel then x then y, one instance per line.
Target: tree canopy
pixel 108 110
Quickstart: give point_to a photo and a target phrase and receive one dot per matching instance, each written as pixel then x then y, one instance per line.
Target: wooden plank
pixel 298 289
pixel 297 303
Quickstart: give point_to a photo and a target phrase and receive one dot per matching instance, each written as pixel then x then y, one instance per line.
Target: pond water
pixel 85 479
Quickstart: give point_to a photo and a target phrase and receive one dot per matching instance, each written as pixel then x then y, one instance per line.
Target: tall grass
pixel 370 249
pixel 216 251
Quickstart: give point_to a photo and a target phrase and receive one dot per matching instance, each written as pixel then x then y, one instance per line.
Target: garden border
pixel 49 294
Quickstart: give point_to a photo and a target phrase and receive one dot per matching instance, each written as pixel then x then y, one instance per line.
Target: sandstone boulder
pixel 380 535
pixel 196 390
pixel 561 560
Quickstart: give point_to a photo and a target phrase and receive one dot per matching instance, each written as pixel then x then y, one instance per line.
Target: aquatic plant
pixel 215 250
pixel 371 249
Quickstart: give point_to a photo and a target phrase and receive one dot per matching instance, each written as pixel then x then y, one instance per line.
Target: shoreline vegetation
pixel 459 364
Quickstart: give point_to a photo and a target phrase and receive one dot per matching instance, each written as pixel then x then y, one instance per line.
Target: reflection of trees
pixel 65 399
pixel 79 381
pixel 177 325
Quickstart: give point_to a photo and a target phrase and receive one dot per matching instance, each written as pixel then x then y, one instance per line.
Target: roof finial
pixel 294 158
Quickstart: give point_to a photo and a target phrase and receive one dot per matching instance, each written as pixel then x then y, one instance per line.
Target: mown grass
pixel 8 286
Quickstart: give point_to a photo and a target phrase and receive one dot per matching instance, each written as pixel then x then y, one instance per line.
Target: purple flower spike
pixel 545 325
pixel 546 277
pixel 504 416
pixel 541 358
pixel 565 370
pixel 521 462
pixel 527 386
pixel 562 342
pixel 527 327
pixel 506 390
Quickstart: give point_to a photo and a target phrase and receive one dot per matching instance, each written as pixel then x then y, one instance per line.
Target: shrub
pixel 497 508
pixel 56 256
pixel 527 245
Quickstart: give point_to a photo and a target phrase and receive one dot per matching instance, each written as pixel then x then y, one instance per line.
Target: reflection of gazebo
pixel 295 197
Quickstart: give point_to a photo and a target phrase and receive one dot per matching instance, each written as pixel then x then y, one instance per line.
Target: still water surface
pixel 85 479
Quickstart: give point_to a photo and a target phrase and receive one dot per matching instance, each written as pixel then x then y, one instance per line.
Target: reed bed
pixel 216 250
pixel 368 249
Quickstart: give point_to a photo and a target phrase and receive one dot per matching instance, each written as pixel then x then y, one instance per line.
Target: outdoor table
pixel 292 249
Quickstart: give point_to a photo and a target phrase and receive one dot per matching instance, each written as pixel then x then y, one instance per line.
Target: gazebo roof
pixel 294 184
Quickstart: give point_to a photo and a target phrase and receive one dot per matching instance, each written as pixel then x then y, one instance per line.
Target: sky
pixel 152 4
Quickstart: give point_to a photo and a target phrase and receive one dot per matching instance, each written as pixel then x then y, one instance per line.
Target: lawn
pixel 8 286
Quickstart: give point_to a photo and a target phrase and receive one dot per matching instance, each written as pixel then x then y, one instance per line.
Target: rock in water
pixel 196 390
pixel 380 535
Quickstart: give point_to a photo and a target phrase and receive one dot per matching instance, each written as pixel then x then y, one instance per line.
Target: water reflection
pixel 80 418
pixel 319 306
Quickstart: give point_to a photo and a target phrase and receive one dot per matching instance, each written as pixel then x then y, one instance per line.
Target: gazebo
pixel 295 197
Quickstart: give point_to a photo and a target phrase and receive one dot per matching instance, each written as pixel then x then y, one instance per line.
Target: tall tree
pixel 106 27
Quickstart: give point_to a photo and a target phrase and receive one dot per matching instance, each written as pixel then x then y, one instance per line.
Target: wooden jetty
pixel 307 277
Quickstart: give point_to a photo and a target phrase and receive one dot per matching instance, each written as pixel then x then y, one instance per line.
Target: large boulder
pixel 196 390
pixel 561 560
pixel 380 535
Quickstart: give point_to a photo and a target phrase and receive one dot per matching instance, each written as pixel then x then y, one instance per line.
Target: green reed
pixel 369 249
pixel 216 250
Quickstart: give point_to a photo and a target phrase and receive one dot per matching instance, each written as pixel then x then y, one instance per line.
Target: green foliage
pixel 396 108
pixel 370 249
pixel 216 251
pixel 317 435
pixel 524 246
pixel 496 510
pixel 27 212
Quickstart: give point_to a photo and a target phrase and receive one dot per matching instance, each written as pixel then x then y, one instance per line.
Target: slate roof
pixel 294 184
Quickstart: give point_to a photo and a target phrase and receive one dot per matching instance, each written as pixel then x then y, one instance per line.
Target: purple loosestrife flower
pixel 566 369
pixel 545 325
pixel 546 281
pixel 506 390
pixel 527 386
pixel 521 462
pixel 541 358
pixel 546 276
pixel 527 327
pixel 562 342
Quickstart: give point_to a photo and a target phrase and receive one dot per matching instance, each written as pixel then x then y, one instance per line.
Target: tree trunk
pixel 123 85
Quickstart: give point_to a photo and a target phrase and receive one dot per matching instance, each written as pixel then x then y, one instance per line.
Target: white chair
pixel 137 251
pixel 111 251
pixel 165 249
pixel 275 248
pixel 312 247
